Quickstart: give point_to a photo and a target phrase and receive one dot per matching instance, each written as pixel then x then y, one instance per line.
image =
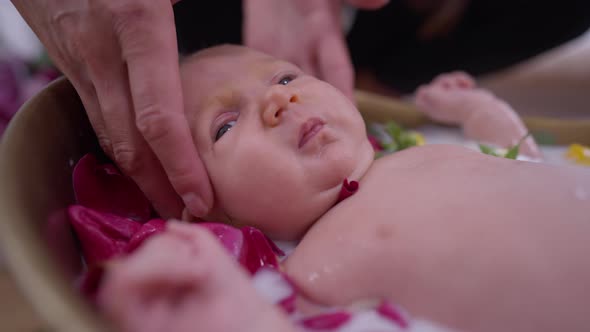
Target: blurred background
pixel 24 70
pixel 24 66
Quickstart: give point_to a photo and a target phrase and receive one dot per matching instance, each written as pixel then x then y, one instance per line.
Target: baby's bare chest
pixel 407 224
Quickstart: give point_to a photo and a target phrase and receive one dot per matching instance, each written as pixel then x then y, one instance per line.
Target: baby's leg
pixel 183 280
pixel 453 99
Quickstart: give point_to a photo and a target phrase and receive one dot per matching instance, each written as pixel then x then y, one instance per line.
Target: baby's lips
pixel 104 188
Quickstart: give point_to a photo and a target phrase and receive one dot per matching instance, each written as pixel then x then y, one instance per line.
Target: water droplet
pixel 313 276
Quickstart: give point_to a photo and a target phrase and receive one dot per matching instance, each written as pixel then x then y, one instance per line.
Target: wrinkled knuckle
pixel 127 158
pixel 132 19
pixel 183 178
pixel 105 143
pixel 152 123
pixel 129 13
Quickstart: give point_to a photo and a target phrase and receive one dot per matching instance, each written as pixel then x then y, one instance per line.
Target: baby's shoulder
pixel 426 155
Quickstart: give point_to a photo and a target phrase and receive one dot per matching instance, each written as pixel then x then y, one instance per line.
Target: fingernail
pixel 195 204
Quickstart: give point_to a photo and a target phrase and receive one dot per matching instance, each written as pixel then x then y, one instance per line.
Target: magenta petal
pixel 288 304
pixel 393 313
pixel 259 252
pixel 348 189
pixel 104 188
pixel 102 235
pixel 148 229
pixel 275 248
pixel 327 321
pixel 375 143
pixel 231 237
pixel 248 245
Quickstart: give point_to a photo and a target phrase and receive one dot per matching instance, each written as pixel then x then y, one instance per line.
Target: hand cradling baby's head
pixel 277 143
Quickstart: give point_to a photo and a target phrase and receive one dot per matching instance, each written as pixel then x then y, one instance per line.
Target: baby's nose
pixel 276 101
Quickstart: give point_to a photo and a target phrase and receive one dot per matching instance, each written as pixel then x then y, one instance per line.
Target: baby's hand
pixel 184 280
pixel 454 99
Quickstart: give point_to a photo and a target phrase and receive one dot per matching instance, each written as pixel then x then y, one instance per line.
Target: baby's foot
pixel 453 99
pixel 183 280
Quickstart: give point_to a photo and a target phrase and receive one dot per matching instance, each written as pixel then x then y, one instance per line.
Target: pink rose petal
pixel 375 143
pixel 231 237
pixel 258 251
pixel 393 313
pixel 326 321
pixel 147 230
pixel 348 189
pixel 274 247
pixel 102 235
pixel 248 245
pixel 104 188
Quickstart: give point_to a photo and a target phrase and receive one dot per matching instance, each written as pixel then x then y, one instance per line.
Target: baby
pixel 475 242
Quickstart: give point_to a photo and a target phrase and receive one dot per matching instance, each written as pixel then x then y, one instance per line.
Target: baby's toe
pixel 440 104
pixel 454 80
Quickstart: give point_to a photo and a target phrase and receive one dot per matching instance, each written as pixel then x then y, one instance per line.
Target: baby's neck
pixel 362 169
pixel 333 195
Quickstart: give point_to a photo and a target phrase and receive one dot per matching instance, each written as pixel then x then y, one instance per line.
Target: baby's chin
pixel 280 217
pixel 341 164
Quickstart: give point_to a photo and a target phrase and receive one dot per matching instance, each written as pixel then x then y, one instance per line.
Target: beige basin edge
pixel 27 256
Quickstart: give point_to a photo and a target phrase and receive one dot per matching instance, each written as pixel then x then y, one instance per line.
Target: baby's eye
pixel 224 129
pixel 286 79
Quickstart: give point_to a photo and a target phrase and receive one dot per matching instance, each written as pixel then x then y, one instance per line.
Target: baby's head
pixel 276 143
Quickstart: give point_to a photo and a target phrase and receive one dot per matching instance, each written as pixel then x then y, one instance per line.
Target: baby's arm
pixel 453 99
pixel 183 280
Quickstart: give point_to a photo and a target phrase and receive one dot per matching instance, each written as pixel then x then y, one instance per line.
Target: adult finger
pixel 121 139
pixel 91 104
pixel 334 63
pixel 148 42
pixel 308 67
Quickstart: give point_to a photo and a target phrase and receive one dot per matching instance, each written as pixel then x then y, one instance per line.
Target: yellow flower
pixel 419 138
pixel 580 154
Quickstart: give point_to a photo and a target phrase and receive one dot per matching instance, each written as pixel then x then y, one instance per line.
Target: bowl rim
pixel 29 262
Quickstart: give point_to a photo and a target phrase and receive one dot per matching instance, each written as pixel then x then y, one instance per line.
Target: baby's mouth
pixel 309 129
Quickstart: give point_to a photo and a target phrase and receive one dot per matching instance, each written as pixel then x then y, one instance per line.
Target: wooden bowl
pixel 37 154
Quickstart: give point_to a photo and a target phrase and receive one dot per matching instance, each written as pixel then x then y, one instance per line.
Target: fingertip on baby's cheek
pixel 196 205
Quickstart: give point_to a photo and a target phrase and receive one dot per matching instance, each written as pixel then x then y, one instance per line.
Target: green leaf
pixel 401 138
pixel 512 153
pixel 394 130
pixel 487 150
pixel 406 140
pixel 392 146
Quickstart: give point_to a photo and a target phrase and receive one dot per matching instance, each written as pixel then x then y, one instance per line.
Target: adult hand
pixel 121 56
pixel 305 32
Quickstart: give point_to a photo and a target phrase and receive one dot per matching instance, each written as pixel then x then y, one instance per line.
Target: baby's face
pixel 276 143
